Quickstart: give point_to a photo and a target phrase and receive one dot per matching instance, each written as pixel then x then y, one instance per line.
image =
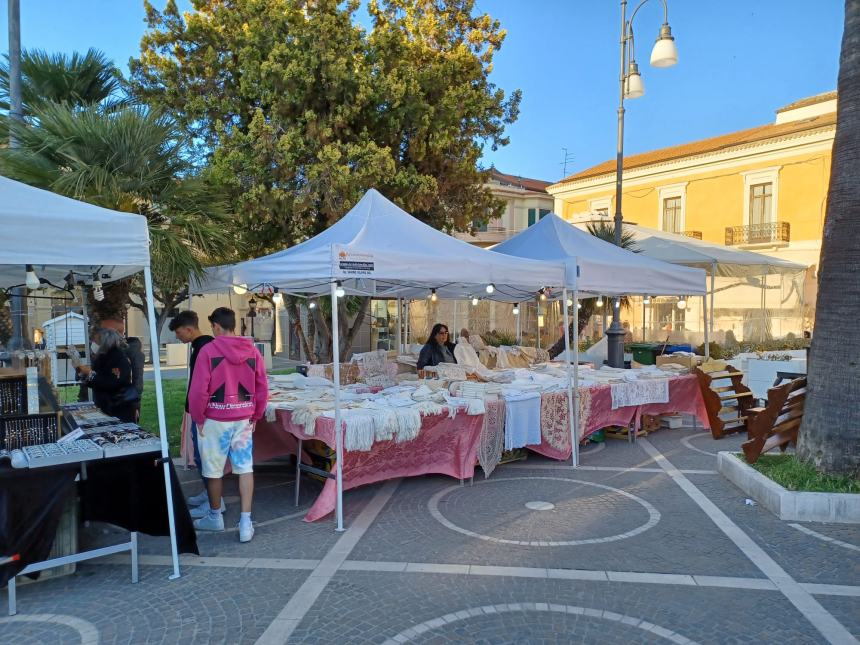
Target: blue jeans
pixel 197 461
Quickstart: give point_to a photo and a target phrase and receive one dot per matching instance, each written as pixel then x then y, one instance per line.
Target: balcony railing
pixel 694 234
pixel 770 233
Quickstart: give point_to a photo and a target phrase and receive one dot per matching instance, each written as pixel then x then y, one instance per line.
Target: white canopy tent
pixel 377 249
pixel 56 235
pixel 598 267
pixel 716 259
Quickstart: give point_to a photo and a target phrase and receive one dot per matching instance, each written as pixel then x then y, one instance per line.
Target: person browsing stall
pixel 228 395
pixel 186 327
pixel 110 377
pixel 437 349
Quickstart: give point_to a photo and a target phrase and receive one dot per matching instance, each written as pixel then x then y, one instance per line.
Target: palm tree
pixel 605 232
pixel 830 433
pixel 131 160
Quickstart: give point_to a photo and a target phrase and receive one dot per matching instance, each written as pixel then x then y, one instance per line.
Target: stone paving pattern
pixel 624 556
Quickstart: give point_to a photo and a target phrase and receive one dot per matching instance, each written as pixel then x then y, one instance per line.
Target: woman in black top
pixel 110 377
pixel 437 349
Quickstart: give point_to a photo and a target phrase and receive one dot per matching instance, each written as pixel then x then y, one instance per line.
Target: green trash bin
pixel 644 353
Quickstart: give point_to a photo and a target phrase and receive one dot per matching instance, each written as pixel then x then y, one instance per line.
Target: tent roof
pixel 56 234
pixel 603 267
pixel 380 250
pixel 679 249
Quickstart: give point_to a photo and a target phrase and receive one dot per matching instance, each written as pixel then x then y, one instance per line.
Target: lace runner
pixel 640 392
pixel 554 419
pixel 492 435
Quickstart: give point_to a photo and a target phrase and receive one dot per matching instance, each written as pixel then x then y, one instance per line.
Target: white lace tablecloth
pixel 640 392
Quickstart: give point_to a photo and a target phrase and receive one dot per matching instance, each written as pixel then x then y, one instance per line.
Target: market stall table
pixel 445 445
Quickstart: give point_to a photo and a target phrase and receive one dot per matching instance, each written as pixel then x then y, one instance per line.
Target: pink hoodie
pixel 229 382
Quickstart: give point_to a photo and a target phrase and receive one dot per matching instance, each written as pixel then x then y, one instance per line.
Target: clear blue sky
pixel 739 61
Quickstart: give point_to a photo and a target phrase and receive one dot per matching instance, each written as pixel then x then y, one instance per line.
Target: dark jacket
pixel 431 354
pixel 111 378
pixel 134 352
pixel 196 345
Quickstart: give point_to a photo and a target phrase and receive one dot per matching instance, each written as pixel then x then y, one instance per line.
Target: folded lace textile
pixel 492 435
pixel 555 419
pixel 639 392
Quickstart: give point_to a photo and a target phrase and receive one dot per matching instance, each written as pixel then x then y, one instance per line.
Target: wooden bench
pixel 726 399
pixel 776 424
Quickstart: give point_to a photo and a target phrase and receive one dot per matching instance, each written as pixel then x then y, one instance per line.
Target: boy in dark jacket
pixel 228 395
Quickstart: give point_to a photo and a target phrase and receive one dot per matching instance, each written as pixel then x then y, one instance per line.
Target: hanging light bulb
pixel 570 302
pixel 240 289
pixel 475 301
pixel 599 301
pixel 312 305
pixel 491 287
pixel 277 297
pixel 542 294
pixel 98 292
pixel 646 300
pixel 31 280
pixel 516 310
pixel 682 303
pixel 339 291
pixel 433 296
pixel 579 305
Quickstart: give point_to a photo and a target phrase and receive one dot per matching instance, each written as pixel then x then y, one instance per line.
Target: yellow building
pixel 763 189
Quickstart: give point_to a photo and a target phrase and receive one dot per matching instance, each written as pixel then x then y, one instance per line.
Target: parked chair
pixel 776 424
pixel 726 398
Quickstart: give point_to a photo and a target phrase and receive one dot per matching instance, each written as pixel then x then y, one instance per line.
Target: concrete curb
pixel 842 508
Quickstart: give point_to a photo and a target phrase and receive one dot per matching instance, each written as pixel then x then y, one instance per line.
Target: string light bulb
pixel 646 300
pixel 542 294
pixel 277 297
pixel 579 305
pixel 516 310
pixel 475 301
pixel 240 289
pixel 32 280
pixel 491 288
pixel 599 301
pixel 339 291
pixel 433 296
pixel 682 303
pixel 570 302
pixel 98 291
pixel 312 305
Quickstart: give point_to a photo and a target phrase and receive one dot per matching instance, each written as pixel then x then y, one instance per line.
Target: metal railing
pixel 769 233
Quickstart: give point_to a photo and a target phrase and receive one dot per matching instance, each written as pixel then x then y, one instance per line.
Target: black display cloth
pixel 126 491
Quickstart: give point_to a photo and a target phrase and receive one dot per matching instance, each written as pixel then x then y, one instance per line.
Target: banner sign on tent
pixel 351 263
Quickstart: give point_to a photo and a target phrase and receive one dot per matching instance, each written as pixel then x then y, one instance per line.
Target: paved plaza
pixel 645 543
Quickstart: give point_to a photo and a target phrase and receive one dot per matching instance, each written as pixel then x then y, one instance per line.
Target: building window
pixel 543 212
pixel 600 207
pixel 532 216
pixel 761 200
pixel 602 212
pixel 672 215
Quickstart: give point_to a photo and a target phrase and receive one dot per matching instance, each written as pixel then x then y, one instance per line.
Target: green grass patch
pixel 174 408
pixel 792 474
pixel 288 370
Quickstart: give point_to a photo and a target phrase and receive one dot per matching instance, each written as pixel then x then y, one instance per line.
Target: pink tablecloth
pixel 596 412
pixel 444 446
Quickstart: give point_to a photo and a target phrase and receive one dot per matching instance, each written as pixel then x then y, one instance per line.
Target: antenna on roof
pixel 568 157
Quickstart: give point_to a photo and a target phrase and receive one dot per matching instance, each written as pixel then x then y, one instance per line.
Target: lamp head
pixel 634 87
pixel 277 297
pixel 665 53
pixel 252 304
pixel 240 289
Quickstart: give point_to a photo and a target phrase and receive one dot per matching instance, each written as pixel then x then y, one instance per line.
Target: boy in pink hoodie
pixel 228 395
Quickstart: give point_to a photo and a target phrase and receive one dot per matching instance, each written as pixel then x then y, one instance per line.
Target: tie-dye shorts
pixel 222 439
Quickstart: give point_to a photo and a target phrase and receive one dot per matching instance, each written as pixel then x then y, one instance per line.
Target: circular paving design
pixel 542 622
pixel 686 441
pixel 583 513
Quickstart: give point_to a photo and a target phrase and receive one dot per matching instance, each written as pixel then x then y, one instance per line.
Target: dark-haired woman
pixel 110 377
pixel 437 349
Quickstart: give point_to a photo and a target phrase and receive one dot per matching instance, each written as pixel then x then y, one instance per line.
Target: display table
pixel 444 446
pixel 596 412
pixel 127 492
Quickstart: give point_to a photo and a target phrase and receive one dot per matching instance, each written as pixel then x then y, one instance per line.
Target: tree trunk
pixel 830 433
pixel 349 337
pixel 583 315
pixel 295 314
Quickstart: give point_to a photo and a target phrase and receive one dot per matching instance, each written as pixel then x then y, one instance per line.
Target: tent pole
pixel 519 326
pixel 705 318
pixel 87 351
pixel 713 288
pixel 338 430
pixel 162 423
pixel 456 323
pixel 575 402
pixel 399 326
pixel 574 442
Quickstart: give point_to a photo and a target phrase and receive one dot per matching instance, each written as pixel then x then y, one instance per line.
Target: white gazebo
pixel 377 249
pixel 56 235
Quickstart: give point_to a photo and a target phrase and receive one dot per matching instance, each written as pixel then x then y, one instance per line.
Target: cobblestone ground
pixel 624 550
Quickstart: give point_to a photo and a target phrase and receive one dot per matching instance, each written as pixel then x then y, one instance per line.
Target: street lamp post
pixel 664 54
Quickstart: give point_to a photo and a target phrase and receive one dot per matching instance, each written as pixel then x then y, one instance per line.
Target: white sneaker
pixel 210 523
pixel 203 509
pixel 198 499
pixel 246 532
